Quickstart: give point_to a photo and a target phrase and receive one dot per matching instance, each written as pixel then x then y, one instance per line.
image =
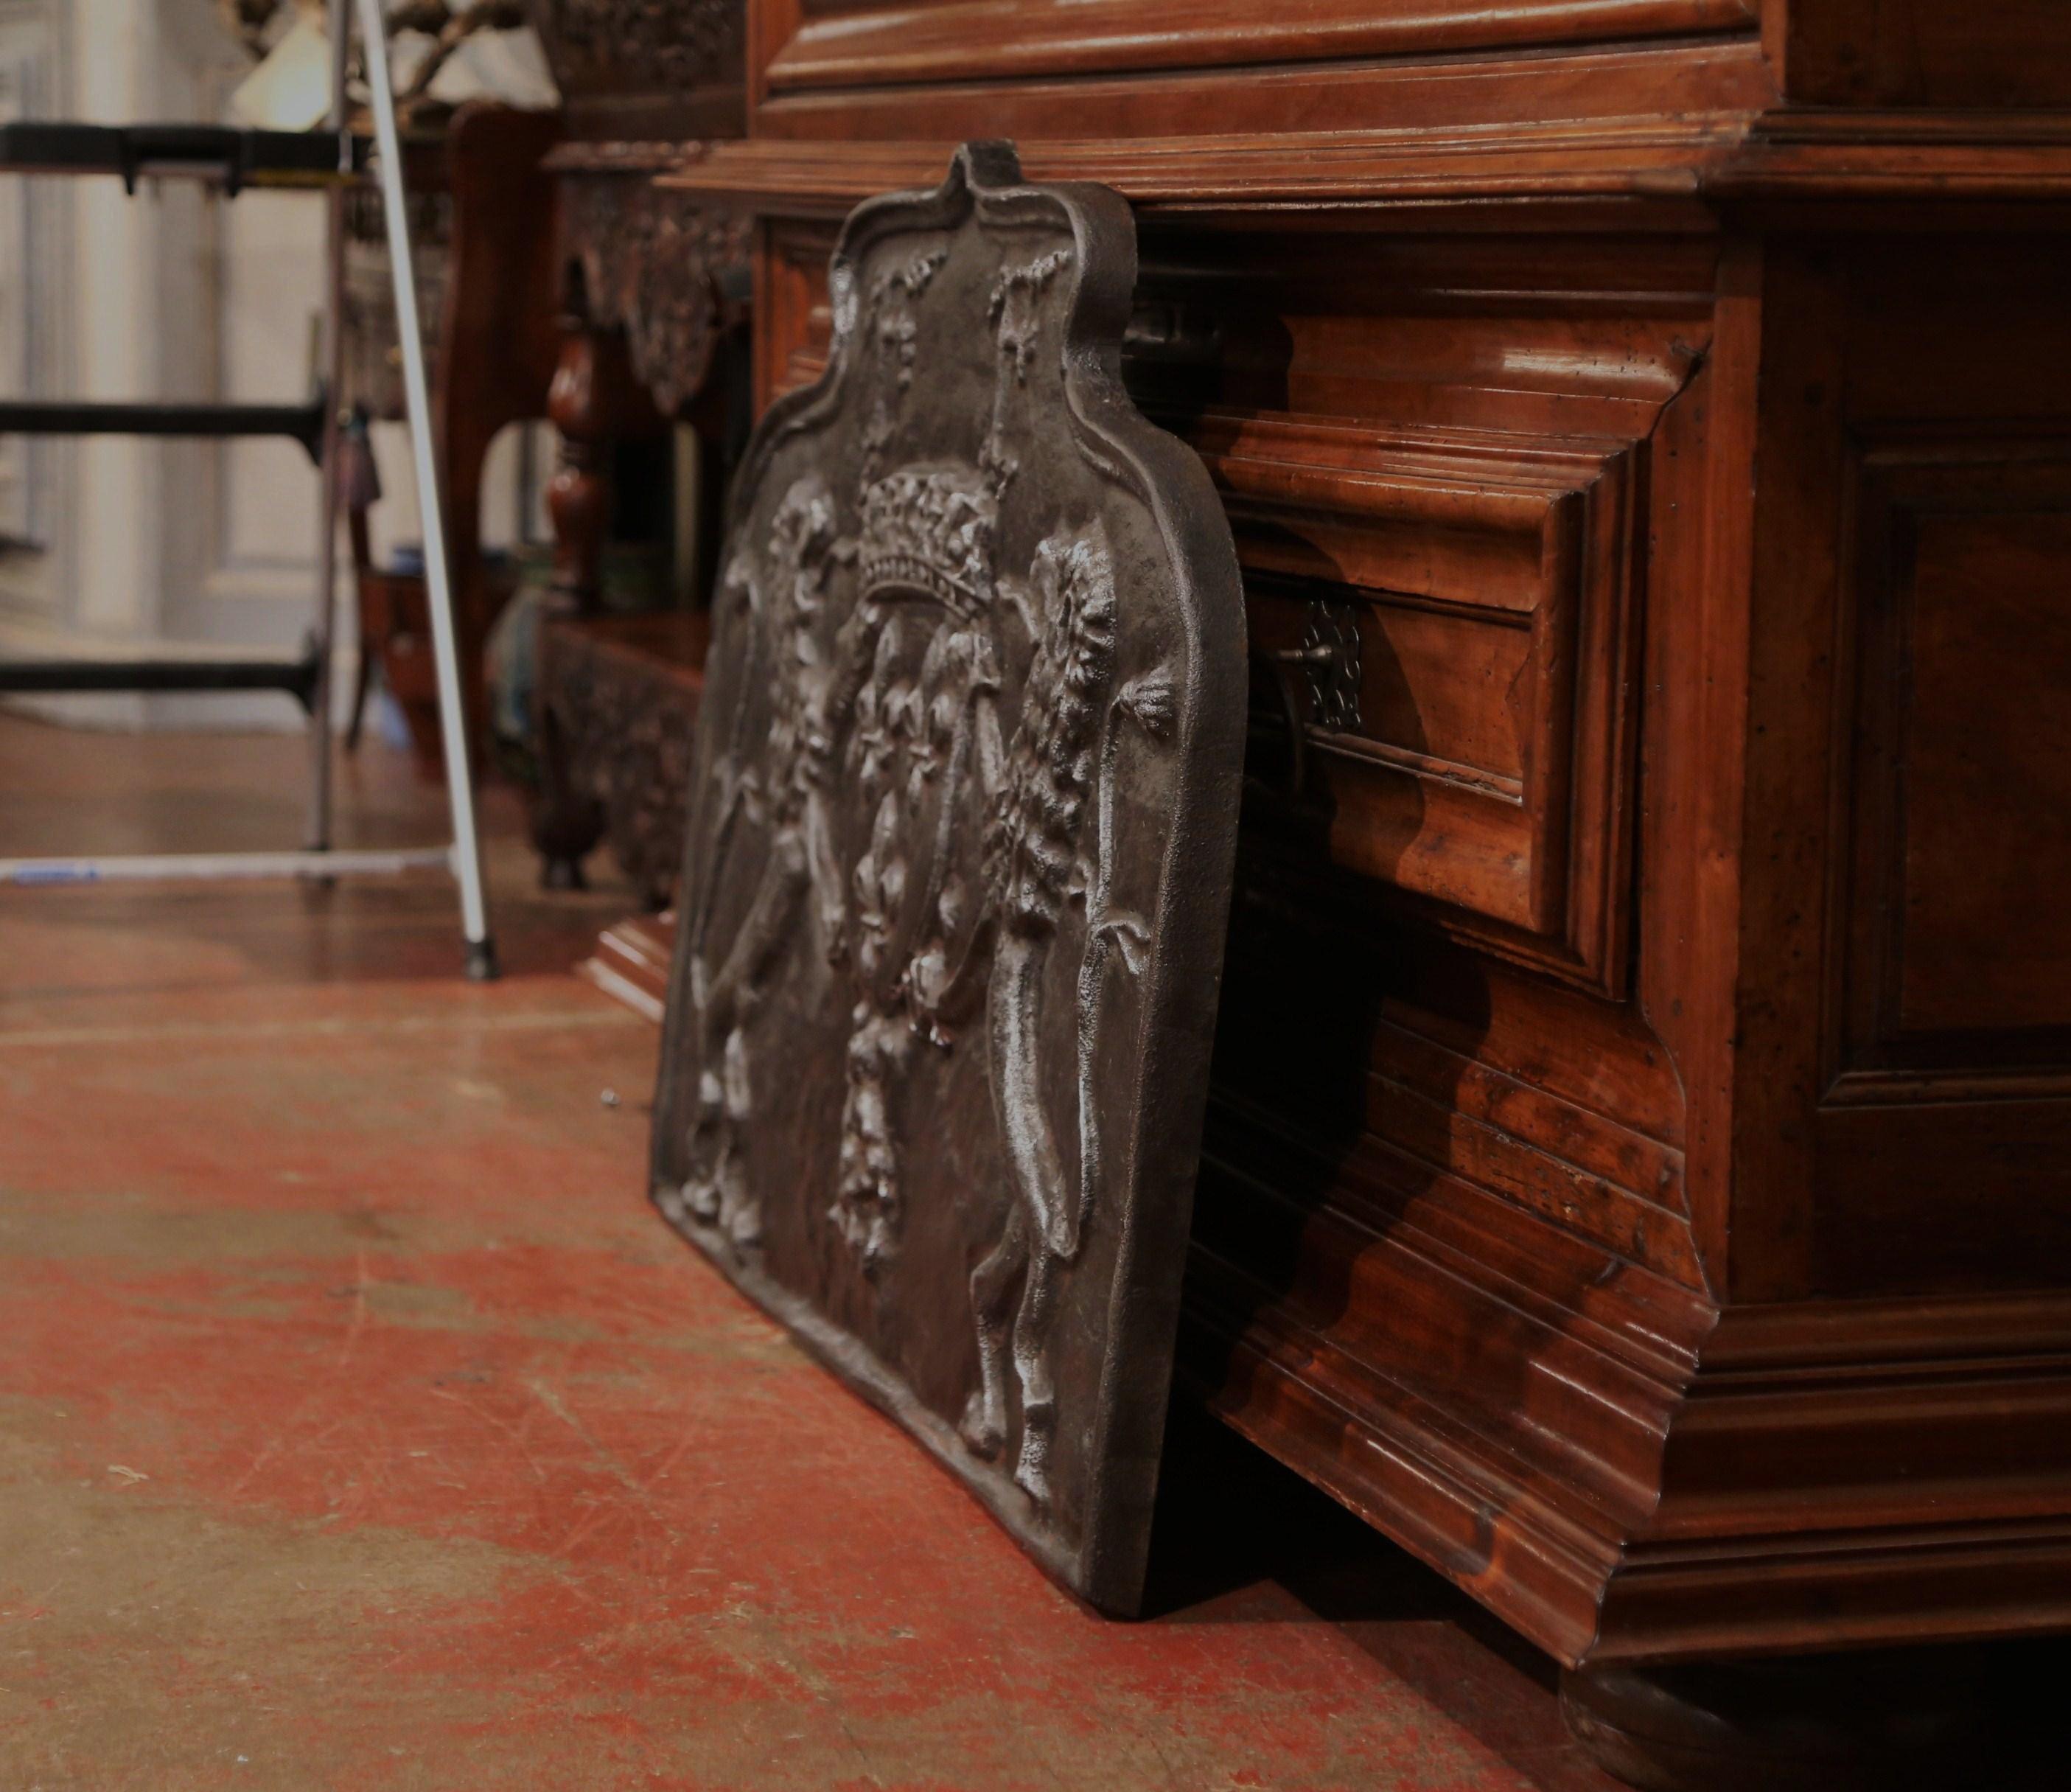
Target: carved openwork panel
pixel 618 708
pixel 670 271
pixel 641 45
pixel 963 814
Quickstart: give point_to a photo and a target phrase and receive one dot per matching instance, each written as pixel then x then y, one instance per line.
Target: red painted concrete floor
pixel 360 1427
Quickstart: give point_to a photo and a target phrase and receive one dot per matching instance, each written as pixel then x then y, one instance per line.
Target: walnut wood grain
pixel 2015 53
pixel 1485 579
pixel 1623 173
pixel 1850 54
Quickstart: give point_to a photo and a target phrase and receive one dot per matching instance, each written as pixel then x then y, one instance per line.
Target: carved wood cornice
pixel 641 45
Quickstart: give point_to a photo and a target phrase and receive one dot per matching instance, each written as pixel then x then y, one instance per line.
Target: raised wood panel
pixel 1486 579
pixel 1875 1150
pixel 862 45
pixel 1942 1148
pixel 1946 1189
pixel 1956 957
pixel 1989 660
pixel 1987 756
pixel 2006 53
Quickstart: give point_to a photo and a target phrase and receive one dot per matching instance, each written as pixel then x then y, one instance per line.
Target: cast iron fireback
pixel 963 809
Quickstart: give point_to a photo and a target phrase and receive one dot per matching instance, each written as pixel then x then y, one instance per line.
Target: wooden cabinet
pixel 1638 1175
pixel 652 288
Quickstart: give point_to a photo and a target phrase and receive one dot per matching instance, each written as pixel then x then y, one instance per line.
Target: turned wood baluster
pixel 579 495
pixel 566 824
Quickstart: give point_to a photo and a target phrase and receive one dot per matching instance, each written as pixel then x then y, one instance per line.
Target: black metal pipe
pixel 229 158
pixel 295 678
pixel 301 423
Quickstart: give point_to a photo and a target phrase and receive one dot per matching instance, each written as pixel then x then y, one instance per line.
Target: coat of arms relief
pixel 959 857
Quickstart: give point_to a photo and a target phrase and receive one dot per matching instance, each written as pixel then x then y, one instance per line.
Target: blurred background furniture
pixel 617 709
pixel 485 208
pixel 650 395
pixel 1637 1177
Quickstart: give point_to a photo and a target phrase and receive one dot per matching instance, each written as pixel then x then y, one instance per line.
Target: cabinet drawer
pixel 1452 611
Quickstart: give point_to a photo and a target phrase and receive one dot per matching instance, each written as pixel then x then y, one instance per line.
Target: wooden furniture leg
pixel 579 495
pixel 591 378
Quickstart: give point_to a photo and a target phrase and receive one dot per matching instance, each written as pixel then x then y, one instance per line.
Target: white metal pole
pixel 214 867
pixel 438 578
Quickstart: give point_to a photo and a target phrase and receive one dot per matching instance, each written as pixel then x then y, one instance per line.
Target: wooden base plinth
pixel 631 963
pixel 1886 1721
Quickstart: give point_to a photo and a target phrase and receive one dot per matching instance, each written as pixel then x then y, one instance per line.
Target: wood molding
pixel 1605 87
pixel 1621 1473
pixel 1660 168
pixel 889 44
pixel 1590 159
pixel 631 963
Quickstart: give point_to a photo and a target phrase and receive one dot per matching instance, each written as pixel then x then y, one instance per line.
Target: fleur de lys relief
pixel 958 857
